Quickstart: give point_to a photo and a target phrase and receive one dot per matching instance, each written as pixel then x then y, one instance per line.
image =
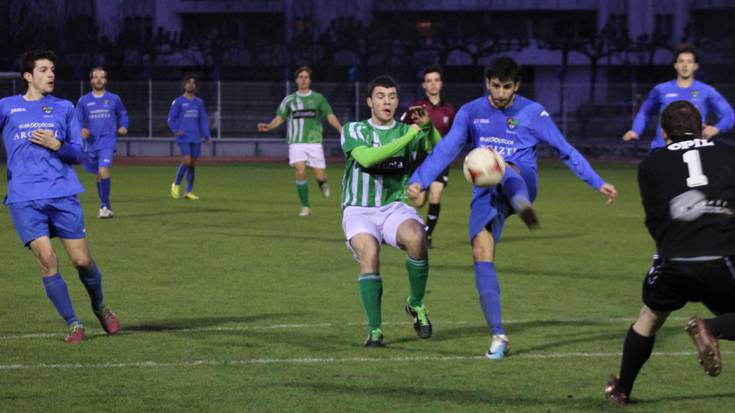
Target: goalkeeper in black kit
pixel 688 194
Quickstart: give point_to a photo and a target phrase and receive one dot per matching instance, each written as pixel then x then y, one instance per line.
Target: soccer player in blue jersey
pixel 102 117
pixel 703 96
pixel 42 138
pixel 188 121
pixel 513 126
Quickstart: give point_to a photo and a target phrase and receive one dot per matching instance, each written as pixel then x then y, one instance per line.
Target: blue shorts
pixel 489 208
pixel 190 149
pixel 94 160
pixel 49 217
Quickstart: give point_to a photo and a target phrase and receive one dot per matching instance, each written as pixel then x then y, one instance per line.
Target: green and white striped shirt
pixel 385 182
pixel 304 114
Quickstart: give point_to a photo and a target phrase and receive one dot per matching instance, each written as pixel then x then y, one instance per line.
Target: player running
pixel 188 121
pixel 701 95
pixel 42 138
pixel 442 115
pixel 513 126
pixel 688 189
pixel 304 110
pixel 102 117
pixel 380 154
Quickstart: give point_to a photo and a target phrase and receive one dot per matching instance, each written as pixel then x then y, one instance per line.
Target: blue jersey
pixel 701 95
pixel 189 115
pixel 35 172
pixel 514 133
pixel 102 116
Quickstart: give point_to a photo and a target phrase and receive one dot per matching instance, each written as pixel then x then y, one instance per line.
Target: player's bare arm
pixel 85 133
pixel 334 122
pixel 120 131
pixel 274 123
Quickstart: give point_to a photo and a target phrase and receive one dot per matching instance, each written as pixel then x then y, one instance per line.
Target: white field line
pixel 27 336
pixel 316 360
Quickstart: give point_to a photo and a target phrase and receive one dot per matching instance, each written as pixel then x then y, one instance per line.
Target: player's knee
pixel 481 253
pixel 47 259
pixel 82 262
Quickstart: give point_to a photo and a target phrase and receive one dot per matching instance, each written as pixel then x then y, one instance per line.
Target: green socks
pixel 418 275
pixel 371 292
pixel 303 189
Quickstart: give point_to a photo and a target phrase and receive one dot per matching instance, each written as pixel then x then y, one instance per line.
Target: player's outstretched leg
pixel 175 186
pixel 91 277
pixel 516 191
pixel 302 188
pixel 488 287
pixel 418 275
pixel 708 347
pixel 371 292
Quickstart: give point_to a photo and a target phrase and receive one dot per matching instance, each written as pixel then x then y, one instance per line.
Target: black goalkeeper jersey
pixel 688 194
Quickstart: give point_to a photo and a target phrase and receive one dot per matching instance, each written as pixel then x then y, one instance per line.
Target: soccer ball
pixel 484 167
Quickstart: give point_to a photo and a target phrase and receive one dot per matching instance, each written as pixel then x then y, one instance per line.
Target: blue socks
pixel 515 189
pixel 58 293
pixel 180 173
pixel 190 178
pixel 92 281
pixel 103 188
pixel 486 280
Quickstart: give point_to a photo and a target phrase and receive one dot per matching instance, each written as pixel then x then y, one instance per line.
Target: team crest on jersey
pixel 695 93
pixel 47 109
pixel 105 102
pixel 512 123
pixel 446 120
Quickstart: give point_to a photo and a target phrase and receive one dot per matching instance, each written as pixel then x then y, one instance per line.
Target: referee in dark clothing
pixel 688 194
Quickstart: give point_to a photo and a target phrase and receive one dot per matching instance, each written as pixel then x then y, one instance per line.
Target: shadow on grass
pixel 200 322
pixel 169 212
pixel 486 399
pixel 290 236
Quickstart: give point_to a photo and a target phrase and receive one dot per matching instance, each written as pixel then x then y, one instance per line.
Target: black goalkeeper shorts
pixel 670 284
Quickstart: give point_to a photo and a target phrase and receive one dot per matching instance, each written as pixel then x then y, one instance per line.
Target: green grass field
pixel 234 303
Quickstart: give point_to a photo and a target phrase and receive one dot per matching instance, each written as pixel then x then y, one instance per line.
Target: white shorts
pixel 311 153
pixel 380 222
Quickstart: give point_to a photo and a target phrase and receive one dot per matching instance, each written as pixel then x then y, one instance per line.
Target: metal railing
pixel 235 107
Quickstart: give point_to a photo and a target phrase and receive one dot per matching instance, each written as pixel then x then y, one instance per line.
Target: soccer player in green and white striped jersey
pixel 380 156
pixel 304 110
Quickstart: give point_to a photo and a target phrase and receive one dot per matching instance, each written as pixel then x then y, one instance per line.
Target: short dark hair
pixel 503 69
pixel 28 61
pixel 97 69
pixel 681 120
pixel 433 69
pixel 191 76
pixel 686 48
pixel 383 81
pixel 301 69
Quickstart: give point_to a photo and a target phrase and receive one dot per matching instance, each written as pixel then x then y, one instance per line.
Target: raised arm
pixel 545 130
pixel 274 123
pixel 368 156
pixel 444 152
